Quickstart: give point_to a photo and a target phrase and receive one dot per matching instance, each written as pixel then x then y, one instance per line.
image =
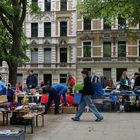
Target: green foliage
pixel 12 15
pixel 109 9
pixel 6 46
pixel 12 40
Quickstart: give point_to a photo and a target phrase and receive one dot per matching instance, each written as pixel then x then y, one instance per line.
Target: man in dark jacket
pixel 86 99
pixel 31 80
pixel 31 83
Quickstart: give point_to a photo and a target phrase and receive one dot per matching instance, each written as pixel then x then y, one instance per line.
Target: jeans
pixel 86 101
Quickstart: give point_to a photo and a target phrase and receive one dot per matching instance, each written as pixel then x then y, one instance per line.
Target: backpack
pixel 71 81
pixel 97 87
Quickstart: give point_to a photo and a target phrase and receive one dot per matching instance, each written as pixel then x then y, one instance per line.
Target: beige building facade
pixel 64 41
pixel 53 41
pixel 107 50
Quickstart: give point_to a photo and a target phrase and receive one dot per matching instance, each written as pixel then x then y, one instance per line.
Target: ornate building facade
pixel 107 50
pixel 53 39
pixel 64 41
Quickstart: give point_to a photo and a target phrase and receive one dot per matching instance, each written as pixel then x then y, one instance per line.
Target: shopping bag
pixel 78 87
pixel 77 97
pixel 98 91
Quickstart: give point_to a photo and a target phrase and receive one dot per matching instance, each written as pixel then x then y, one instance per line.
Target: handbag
pixel 77 97
pixel 98 91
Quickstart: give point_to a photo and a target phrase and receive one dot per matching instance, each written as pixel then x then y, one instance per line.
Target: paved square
pixel 115 126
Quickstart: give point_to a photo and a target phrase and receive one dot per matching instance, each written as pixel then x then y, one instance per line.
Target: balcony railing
pixel 102 59
pixel 51 65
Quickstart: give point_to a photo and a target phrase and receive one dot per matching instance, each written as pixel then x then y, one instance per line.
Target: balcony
pixel 108 59
pixel 51 65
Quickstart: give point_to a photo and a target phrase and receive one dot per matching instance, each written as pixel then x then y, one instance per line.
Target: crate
pixel 19 136
pixel 69 110
pixel 52 110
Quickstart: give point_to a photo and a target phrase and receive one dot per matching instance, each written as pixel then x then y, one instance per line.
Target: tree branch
pixel 10 17
pixel 6 24
pixel 24 3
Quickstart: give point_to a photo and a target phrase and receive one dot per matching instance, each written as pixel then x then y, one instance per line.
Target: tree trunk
pixel 12 72
pixel 15 51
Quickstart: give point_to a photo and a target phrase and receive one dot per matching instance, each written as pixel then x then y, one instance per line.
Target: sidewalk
pixel 115 126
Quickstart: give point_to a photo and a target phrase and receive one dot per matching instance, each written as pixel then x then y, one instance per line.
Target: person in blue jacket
pixel 10 93
pixel 61 90
pixel 55 93
pixel 2 87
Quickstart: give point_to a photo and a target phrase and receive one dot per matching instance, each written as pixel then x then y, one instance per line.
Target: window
pixel 87 24
pixel 63 28
pixel 107 72
pixel 63 55
pixel 122 49
pixel 34 56
pixel 47 55
pixel 63 5
pixel 119 72
pixel 121 23
pixel 34 29
pixel 107 49
pixel 63 78
pixel 47 79
pixel 106 25
pixel 47 5
pixel 47 29
pixel 87 49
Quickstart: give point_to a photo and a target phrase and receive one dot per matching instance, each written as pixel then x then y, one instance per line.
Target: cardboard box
pixel 69 110
pixel 3 99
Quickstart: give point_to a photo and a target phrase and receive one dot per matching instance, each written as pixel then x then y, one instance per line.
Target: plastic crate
pixel 19 136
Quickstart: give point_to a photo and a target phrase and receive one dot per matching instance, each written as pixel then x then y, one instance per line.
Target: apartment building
pixel 107 50
pixel 53 41
pixel 63 41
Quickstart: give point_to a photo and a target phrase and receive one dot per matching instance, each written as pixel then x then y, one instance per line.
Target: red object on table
pixel 44 99
pixel 70 100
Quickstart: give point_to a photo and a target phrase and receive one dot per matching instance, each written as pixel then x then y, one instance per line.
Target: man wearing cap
pixel 86 99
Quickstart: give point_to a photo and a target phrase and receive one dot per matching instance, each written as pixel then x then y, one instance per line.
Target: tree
pixel 109 9
pixel 12 39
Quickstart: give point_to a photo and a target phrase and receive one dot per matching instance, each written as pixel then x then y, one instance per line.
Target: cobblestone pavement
pixel 115 126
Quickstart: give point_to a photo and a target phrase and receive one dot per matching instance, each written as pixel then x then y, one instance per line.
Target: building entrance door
pixel 48 79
